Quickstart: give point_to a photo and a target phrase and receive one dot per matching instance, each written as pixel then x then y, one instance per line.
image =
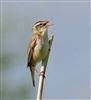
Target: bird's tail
pixel 32 69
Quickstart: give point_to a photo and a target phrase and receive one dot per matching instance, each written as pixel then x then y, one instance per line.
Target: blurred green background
pixel 68 75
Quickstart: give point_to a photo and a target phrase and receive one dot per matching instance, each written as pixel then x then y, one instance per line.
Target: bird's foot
pixel 42 74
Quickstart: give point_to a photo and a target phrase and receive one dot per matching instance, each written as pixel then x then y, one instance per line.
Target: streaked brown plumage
pixel 38 46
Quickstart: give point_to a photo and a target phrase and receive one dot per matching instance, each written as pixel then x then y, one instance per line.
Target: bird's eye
pixel 44 24
pixel 40 24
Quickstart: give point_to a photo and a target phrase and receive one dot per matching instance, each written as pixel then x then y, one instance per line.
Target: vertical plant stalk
pixel 42 72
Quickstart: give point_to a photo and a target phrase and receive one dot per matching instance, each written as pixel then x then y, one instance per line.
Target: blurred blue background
pixel 67 75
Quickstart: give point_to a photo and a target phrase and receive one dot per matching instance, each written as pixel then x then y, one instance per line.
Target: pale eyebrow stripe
pixel 36 24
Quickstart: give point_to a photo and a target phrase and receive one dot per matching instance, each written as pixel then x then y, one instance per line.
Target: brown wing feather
pixel 31 47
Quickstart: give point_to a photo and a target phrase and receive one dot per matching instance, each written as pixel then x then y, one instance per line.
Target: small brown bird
pixel 38 46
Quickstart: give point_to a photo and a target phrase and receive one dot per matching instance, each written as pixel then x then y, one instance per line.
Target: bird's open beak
pixel 48 24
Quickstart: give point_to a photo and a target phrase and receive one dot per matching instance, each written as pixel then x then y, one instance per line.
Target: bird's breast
pixel 41 49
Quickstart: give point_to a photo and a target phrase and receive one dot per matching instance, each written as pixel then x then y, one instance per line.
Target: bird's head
pixel 40 27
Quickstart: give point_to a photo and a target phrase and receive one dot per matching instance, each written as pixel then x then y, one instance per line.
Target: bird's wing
pixel 31 47
pixel 30 50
